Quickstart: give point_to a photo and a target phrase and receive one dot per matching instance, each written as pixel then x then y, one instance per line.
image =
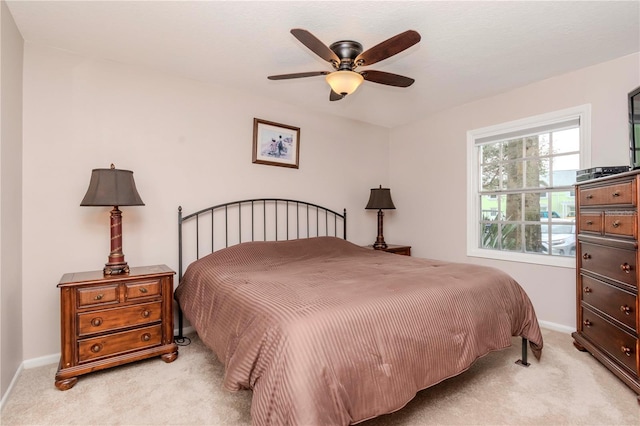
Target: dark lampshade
pixel 380 198
pixel 113 187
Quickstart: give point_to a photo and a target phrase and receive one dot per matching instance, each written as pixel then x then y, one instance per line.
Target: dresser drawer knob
pixel 146 313
pixel 146 337
pixel 98 297
pixel 586 256
pixel 143 290
pixel 616 194
pixel 96 322
pixel 587 290
pixel 626 309
pixel 626 267
pixel 96 348
pixel 589 196
pixel 589 222
pixel 626 350
pixel 587 323
pixel 616 223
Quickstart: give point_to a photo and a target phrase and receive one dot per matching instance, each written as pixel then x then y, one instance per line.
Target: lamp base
pixel 379 245
pixel 116 268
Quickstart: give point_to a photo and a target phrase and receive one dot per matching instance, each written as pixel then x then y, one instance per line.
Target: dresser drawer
pixel 612 262
pixel 113 319
pixel 142 289
pixel 617 343
pixel 113 344
pixel 590 222
pixel 610 300
pixel 620 224
pixel 102 295
pixel 614 194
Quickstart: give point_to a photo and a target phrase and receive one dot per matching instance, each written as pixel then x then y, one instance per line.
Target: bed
pixel 324 331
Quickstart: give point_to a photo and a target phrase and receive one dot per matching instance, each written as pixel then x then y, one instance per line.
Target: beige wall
pixel 11 51
pixel 429 176
pixel 188 144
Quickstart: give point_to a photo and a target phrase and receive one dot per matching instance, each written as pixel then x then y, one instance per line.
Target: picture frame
pixel 275 144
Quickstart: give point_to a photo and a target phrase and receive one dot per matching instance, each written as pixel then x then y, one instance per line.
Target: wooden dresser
pixel 112 320
pixel 607 262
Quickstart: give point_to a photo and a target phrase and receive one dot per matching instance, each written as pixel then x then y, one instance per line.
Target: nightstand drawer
pixel 113 344
pixel 113 319
pixel 142 289
pixel 91 296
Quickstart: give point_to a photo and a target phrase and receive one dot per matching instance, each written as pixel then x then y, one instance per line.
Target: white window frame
pixel 583 113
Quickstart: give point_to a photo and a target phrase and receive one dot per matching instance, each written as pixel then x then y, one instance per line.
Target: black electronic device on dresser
pixel 634 128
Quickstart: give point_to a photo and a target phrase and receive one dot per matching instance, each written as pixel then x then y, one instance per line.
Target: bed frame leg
pixel 523 361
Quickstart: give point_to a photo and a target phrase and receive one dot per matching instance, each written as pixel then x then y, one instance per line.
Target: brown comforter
pixel 326 332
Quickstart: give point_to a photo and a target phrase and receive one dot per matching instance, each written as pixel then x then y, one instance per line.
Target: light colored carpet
pixel 566 387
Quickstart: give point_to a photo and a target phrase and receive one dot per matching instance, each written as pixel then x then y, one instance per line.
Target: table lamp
pixel 113 187
pixel 380 198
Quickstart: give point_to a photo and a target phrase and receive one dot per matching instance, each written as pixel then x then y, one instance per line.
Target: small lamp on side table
pixel 380 198
pixel 113 187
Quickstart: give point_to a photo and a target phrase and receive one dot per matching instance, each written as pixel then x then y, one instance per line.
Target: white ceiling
pixel 469 50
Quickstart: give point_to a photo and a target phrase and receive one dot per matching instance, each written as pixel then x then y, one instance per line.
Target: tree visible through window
pixel 522 187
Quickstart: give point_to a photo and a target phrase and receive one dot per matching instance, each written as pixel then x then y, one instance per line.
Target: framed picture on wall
pixel 275 144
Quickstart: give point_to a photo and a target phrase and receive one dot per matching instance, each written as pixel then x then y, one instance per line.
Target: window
pixel 520 187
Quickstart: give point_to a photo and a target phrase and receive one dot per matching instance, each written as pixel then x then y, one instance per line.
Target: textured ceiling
pixel 469 50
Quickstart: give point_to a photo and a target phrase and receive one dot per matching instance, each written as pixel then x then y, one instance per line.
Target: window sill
pixel 538 259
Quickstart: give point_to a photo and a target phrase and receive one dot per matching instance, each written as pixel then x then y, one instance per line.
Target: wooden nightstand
pixel 112 320
pixel 395 248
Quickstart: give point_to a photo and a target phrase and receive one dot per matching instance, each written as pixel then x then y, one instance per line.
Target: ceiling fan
pixel 347 55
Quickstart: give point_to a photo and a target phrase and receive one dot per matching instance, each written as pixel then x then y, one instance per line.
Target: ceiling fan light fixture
pixel 344 82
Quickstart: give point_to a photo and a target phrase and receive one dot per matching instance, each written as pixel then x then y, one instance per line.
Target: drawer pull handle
pixel 589 222
pixel 146 313
pixel 143 289
pixel 96 322
pixel 626 350
pixel 587 323
pixel 587 290
pixel 616 194
pixel 96 348
pixel 586 256
pixel 626 309
pixel 98 296
pixel 626 267
pixel 589 196
pixel 615 223
pixel 146 337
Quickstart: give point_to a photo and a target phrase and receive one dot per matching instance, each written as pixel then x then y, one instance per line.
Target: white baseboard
pixel 5 397
pixel 40 361
pixel 556 327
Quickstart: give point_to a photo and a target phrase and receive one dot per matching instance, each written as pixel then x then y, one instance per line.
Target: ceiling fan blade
pixel 297 75
pixel 387 78
pixel 333 96
pixel 315 45
pixel 388 48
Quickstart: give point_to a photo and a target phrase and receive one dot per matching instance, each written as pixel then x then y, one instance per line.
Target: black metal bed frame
pixel 266 209
pixel 273 204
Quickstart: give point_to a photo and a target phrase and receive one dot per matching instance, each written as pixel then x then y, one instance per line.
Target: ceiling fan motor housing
pixel 347 51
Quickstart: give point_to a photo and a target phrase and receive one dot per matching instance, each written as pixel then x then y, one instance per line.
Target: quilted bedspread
pixel 326 332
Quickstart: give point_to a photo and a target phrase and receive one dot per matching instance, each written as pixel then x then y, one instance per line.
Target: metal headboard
pixel 265 219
